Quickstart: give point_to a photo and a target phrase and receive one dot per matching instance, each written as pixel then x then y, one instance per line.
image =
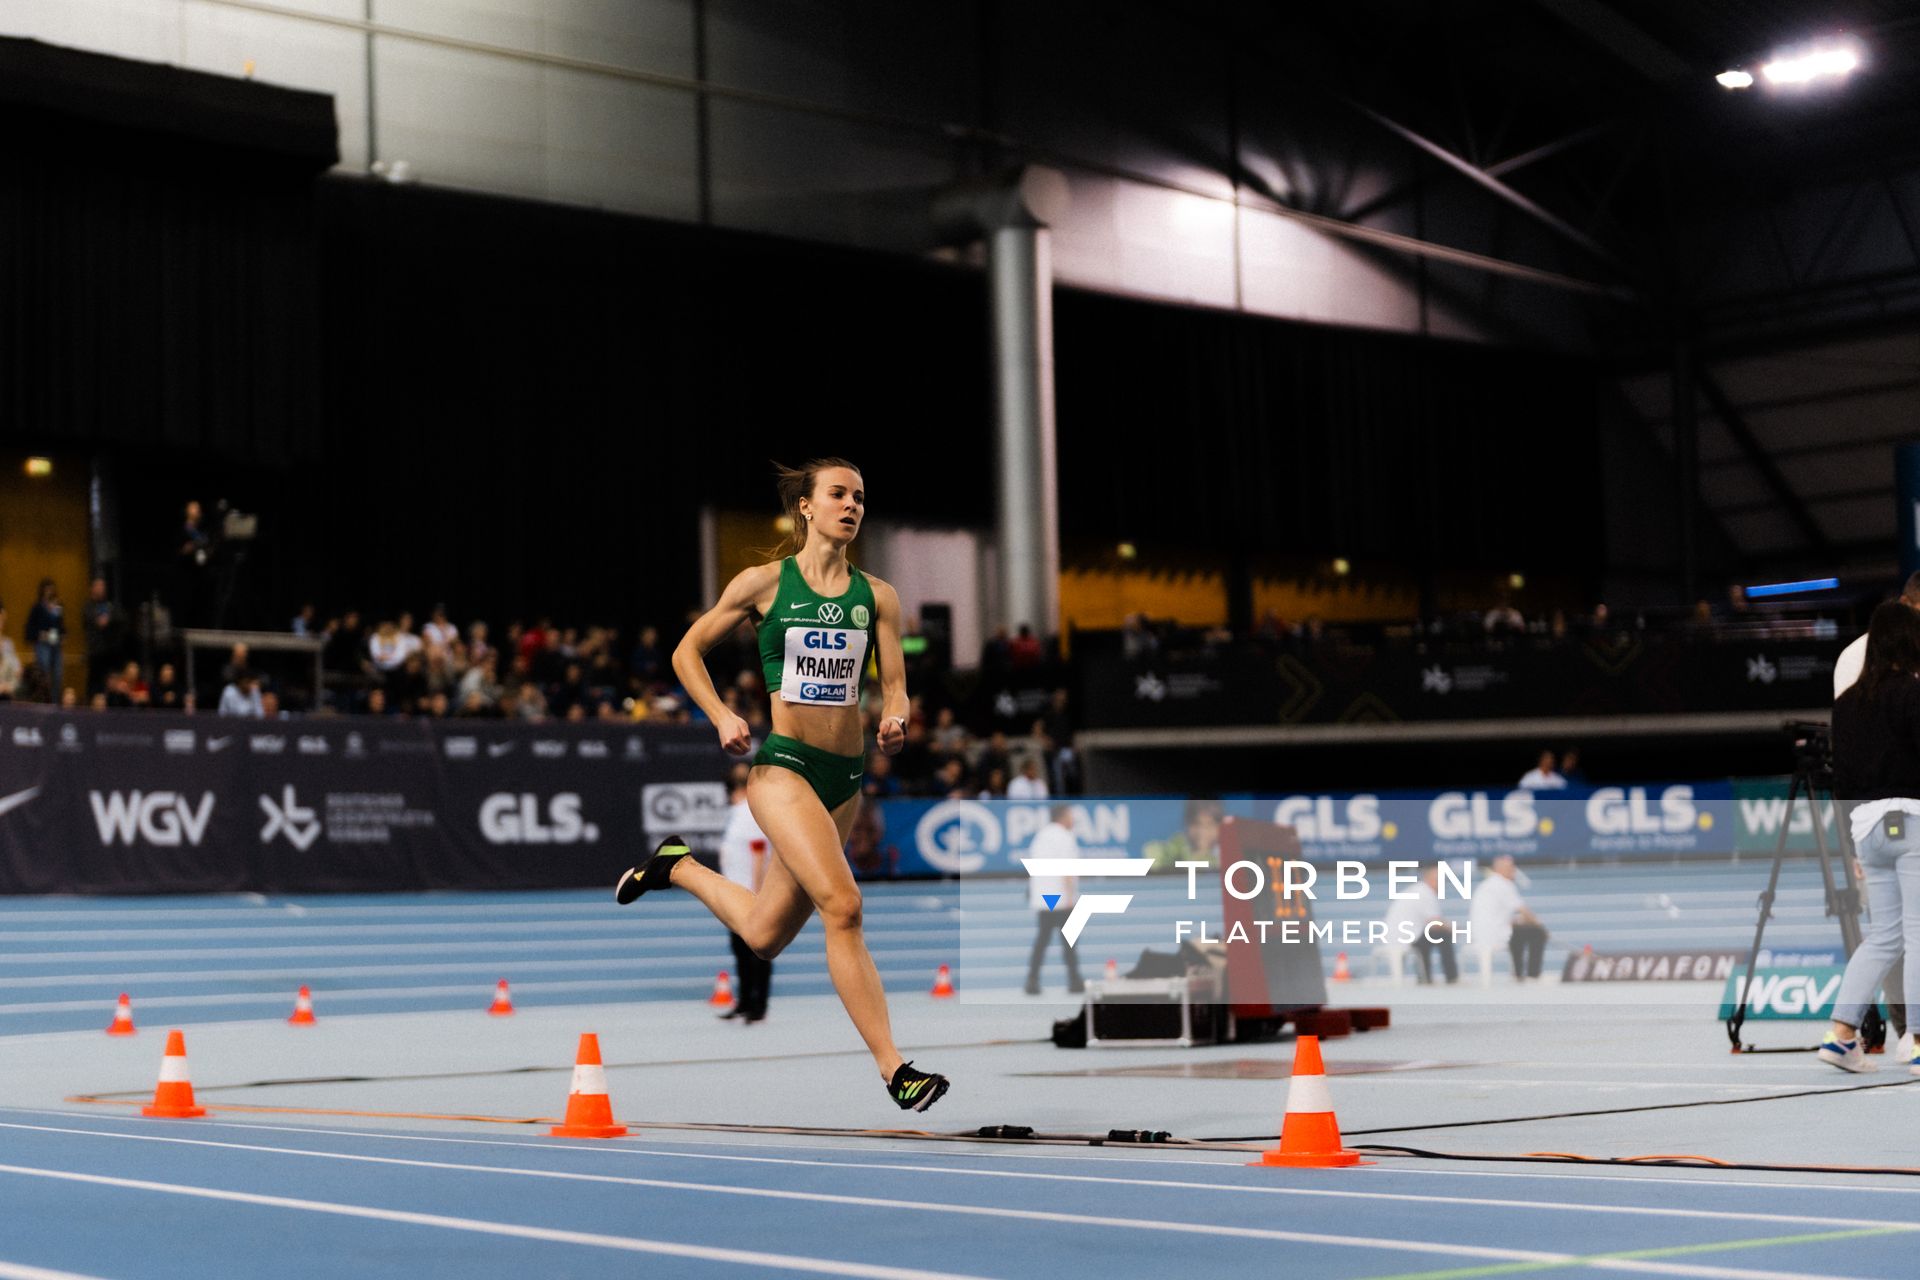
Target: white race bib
pixel 822 666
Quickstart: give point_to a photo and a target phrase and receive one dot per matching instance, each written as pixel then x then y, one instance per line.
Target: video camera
pixel 1812 751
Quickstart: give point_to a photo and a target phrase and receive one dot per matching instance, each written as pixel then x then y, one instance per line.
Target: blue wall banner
pixel 1654 820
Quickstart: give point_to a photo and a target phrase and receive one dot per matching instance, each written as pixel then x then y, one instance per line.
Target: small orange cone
pixel 589 1109
pixel 1113 970
pixel 943 984
pixel 1341 973
pixel 722 991
pixel 173 1096
pixel 302 1015
pixel 1310 1136
pixel 122 1024
pixel 502 1002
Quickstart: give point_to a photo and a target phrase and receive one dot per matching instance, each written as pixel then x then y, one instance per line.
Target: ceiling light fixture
pixel 1820 62
pixel 1735 79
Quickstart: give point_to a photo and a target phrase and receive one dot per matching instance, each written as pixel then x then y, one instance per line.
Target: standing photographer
pixel 1876 767
pixel 1846 673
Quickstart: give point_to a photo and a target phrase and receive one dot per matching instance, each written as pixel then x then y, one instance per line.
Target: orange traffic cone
pixel 589 1109
pixel 1113 970
pixel 173 1096
pixel 722 991
pixel 1310 1136
pixel 302 1009
pixel 502 1002
pixel 1341 973
pixel 943 984
pixel 122 1024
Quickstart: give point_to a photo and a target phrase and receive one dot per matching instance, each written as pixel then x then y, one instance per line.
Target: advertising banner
pixel 150 802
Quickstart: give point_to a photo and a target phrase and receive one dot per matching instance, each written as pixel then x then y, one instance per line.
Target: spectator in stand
pixel 346 650
pixel 439 633
pixel 113 695
pixel 1023 651
pixel 880 782
pixel 531 704
pixel 106 634
pixel 166 691
pixel 376 701
pixel 237 661
pixel 1066 760
pixel 1417 921
pixel 1499 916
pixel 993 755
pixel 138 694
pixel 995 787
pixel 1570 769
pixel 242 696
pixel 408 639
pixel 1138 644
pixel 570 691
pixel 997 651
pixel 1029 785
pixel 192 550
pixel 481 681
pixel 385 649
pixel 645 665
pixel 46 630
pixel 1542 777
pixel 1600 619
pixel 303 623
pixel 407 688
pixel 270 706
pixel 949 735
pixel 9 661
pixel 1055 840
pixel 950 779
pixel 478 647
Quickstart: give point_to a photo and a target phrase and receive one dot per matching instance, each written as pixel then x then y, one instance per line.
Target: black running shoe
pixel 916 1090
pixel 655 873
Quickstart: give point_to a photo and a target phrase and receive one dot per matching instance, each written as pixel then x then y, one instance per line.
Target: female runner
pixel 817 616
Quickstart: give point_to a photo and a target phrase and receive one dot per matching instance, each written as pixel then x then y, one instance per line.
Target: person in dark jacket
pixel 1876 768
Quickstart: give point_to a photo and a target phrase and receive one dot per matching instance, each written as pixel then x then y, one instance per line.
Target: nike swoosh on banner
pixel 9 803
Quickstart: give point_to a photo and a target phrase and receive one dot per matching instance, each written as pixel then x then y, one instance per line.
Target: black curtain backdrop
pixel 518 408
pixel 1243 434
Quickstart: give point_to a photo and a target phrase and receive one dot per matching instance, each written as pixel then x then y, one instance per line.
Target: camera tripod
pixel 1812 776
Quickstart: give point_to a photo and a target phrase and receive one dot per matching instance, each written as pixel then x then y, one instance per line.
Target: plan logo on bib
pixel 830 612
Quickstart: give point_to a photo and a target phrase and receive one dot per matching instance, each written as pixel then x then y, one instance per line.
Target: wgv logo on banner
pixel 161 818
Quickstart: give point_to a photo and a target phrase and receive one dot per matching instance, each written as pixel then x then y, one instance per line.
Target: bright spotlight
pixel 1735 79
pixel 1821 62
pixel 1341 567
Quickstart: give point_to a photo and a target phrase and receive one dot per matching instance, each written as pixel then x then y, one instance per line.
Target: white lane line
pixel 1033 1215
pixel 630 1244
pixel 20 1271
pixel 1200 1156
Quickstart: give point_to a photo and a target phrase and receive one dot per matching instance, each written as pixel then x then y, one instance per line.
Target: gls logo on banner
pixel 289 818
pixel 506 818
pixel 161 818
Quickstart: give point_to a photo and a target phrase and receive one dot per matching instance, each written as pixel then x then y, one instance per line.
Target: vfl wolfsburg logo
pixel 830 612
pixel 859 615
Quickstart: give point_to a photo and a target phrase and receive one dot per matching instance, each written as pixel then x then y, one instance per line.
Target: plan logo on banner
pixel 290 818
pixel 510 818
pixel 958 836
pixel 681 808
pixel 160 818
